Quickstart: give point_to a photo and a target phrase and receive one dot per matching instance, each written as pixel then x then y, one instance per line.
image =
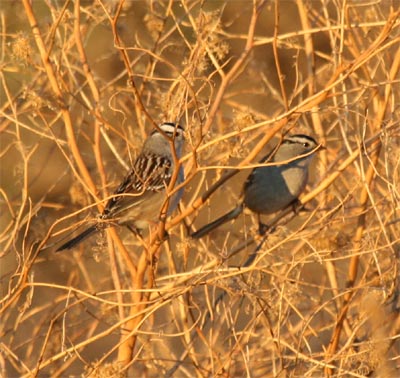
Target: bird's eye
pixel 306 144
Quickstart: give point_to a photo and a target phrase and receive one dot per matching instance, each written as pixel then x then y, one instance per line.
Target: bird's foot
pixel 164 237
pixel 297 206
pixel 262 228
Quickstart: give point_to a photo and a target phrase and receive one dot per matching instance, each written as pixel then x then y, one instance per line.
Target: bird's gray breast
pixel 270 189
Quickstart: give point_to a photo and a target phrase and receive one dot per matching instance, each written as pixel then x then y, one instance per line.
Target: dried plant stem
pixel 228 77
pixel 84 82
pixel 381 109
pixel 86 178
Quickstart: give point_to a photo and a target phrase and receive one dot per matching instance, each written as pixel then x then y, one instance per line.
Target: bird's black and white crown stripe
pixel 170 129
pixel 302 139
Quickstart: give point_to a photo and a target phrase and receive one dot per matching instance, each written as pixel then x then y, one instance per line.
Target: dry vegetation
pixel 81 84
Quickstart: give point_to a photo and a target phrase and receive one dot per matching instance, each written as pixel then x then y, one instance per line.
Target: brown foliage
pixel 81 85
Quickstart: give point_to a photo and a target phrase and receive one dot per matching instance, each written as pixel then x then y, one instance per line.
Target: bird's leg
pixel 297 206
pixel 262 227
pixel 136 231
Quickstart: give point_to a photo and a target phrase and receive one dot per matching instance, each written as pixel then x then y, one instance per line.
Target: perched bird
pixel 138 199
pixel 269 189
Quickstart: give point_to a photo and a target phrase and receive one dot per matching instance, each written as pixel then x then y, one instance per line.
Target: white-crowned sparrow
pixel 271 188
pixel 139 198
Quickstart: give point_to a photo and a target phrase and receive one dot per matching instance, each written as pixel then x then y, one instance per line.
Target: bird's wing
pixel 267 158
pixel 149 174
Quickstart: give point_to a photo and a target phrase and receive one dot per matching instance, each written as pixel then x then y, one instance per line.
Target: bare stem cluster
pixel 82 84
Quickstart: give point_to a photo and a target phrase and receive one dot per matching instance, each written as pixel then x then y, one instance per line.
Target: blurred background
pixel 81 84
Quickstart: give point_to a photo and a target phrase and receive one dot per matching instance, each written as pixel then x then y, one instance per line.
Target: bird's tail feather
pixel 77 239
pixel 218 222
